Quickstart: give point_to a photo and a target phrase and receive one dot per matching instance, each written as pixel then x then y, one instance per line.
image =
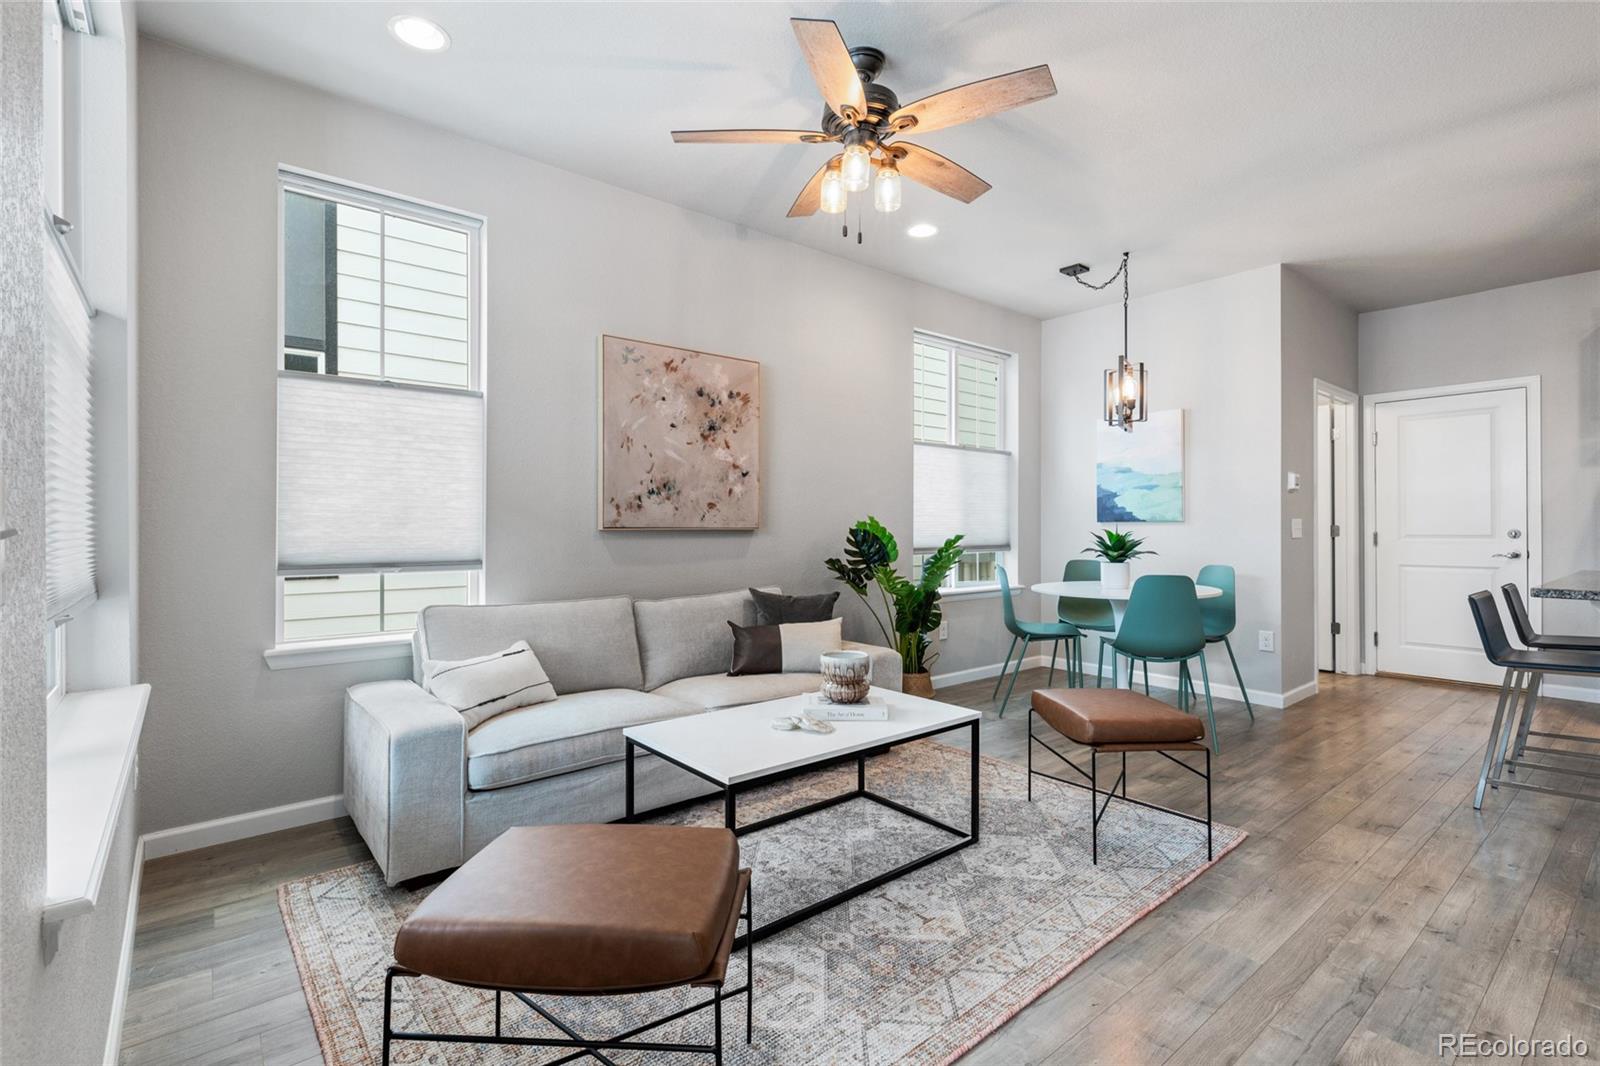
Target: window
pixel 380 489
pixel 962 470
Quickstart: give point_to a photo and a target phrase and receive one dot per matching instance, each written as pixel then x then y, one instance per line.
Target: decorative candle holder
pixel 846 676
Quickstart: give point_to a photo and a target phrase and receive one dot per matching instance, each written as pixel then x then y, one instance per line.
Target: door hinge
pixel 1374 638
pixel 1333 530
pixel 1374 438
pixel 1335 628
pixel 1374 538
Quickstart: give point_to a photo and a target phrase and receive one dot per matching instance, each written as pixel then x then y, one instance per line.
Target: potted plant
pixel 911 609
pixel 1115 549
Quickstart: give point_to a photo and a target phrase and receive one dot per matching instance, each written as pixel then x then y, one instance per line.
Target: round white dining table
pixel 1118 598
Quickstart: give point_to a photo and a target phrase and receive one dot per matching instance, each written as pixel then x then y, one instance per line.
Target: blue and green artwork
pixel 1138 476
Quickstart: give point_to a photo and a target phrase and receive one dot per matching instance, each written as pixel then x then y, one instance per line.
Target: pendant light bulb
pixel 886 187
pixel 856 167
pixel 834 198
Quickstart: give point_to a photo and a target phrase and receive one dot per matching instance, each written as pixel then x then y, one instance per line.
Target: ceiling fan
pixel 865 116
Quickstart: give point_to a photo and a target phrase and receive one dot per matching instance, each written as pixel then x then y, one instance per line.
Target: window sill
pixel 93 742
pixel 973 592
pixel 302 653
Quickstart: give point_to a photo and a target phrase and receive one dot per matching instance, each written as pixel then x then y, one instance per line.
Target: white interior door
pixel 1451 495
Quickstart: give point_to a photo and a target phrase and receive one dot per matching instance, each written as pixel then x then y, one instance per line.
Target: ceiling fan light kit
pixel 863 115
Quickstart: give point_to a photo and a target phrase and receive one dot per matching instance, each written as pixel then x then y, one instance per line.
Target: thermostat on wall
pixel 1292 482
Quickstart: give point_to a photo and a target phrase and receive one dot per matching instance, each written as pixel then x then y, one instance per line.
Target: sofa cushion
pixel 577 730
pixel 790 648
pixel 582 644
pixel 713 691
pixel 688 636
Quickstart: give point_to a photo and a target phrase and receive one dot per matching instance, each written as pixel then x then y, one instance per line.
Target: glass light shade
pixel 1125 395
pixel 834 197
pixel 856 169
pixel 886 189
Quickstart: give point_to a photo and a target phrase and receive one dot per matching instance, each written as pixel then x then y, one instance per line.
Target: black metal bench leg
pixel 1094 808
pixel 749 964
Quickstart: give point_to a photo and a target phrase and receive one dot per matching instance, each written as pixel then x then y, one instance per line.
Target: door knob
pixel 1506 555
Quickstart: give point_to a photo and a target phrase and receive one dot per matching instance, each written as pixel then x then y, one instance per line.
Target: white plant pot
pixel 1115 575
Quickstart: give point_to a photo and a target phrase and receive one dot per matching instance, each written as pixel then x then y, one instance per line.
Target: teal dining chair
pixel 1220 615
pixel 1162 624
pixel 1093 615
pixel 1028 633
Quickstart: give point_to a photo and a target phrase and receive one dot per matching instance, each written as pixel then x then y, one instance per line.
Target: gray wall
pixel 55 1003
pixel 569 258
pixel 1212 349
pixel 1319 341
pixel 1549 328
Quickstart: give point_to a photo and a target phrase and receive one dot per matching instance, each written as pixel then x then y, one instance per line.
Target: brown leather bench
pixel 583 910
pixel 1117 721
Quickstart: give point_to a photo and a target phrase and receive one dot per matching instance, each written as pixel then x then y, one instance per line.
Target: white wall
pixel 1549 328
pixel 1214 350
pixel 1319 342
pixel 569 258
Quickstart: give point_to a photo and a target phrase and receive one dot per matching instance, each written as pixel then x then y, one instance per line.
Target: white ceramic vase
pixel 1115 575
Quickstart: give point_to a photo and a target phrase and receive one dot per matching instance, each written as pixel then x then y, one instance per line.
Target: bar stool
pixel 1523 625
pixel 1524 671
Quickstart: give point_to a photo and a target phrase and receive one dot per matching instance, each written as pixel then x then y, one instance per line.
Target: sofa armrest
pixel 405 759
pixel 886 665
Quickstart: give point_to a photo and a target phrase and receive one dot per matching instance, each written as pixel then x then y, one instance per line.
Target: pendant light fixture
pixel 1126 389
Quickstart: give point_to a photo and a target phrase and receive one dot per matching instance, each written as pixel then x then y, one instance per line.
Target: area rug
pixel 917 971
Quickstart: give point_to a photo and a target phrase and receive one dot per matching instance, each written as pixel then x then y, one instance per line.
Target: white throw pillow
pixel 484 687
pixel 804 643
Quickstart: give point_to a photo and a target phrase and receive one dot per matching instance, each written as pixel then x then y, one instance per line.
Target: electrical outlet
pixel 1297 528
pixel 1264 641
pixel 944 630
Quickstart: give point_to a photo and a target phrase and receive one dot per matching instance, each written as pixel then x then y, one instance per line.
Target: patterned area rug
pixel 917 971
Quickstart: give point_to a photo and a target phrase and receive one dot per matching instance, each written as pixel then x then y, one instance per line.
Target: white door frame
pixel 1369 499
pixel 1346 646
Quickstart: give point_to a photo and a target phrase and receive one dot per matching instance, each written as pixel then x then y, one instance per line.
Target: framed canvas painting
pixel 1138 476
pixel 680 438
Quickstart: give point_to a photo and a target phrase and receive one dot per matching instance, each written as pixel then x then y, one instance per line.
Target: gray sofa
pixel 427 794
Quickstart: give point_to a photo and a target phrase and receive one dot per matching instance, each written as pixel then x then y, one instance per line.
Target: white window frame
pixel 323 651
pixel 1002 361
pixel 58 687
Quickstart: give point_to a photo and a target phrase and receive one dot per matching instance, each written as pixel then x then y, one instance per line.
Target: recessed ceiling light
pixel 921 229
pixel 424 35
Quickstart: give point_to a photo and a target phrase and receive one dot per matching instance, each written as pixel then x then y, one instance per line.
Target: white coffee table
pixel 737 749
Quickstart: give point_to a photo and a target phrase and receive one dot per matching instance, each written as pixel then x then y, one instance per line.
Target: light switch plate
pixel 1264 641
pixel 1292 482
pixel 944 630
pixel 1297 528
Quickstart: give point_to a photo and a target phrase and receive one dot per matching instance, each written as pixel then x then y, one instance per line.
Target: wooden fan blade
pixel 810 198
pixel 749 137
pixel 938 173
pixel 831 66
pixel 977 99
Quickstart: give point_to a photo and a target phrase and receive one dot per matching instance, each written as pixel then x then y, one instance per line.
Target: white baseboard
pixel 130 925
pixel 1581 693
pixel 181 838
pixel 978 673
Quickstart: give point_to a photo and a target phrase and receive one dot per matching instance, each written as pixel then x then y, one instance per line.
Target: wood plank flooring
pixel 1371 909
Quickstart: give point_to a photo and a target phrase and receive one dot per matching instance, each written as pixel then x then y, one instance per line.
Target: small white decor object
pixel 1115 575
pixel 846 676
pixel 803 722
pixel 871 709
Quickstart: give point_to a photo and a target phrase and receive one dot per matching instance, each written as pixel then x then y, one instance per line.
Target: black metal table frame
pixel 964 838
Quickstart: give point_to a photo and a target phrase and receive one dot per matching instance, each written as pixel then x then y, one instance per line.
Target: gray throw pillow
pixel 773 608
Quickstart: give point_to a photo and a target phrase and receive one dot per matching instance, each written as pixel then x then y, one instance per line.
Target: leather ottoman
pixel 578 910
pixel 1117 721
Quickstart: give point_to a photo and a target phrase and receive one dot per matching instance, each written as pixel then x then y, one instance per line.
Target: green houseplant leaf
pixel 1116 547
pixel 911 609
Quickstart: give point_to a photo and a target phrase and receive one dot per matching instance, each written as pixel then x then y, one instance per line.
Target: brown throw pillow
pixel 793 648
pixel 773 608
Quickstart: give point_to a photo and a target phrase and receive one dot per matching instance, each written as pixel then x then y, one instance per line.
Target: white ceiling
pixel 1394 152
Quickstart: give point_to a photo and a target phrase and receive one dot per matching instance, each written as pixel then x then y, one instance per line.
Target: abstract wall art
pixel 1138 476
pixel 680 438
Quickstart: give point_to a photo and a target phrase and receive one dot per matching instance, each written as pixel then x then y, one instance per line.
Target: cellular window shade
pixel 960 490
pixel 377 476
pixel 69 441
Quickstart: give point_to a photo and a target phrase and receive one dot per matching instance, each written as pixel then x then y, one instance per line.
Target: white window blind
pixel 377 476
pixel 69 437
pixel 960 490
